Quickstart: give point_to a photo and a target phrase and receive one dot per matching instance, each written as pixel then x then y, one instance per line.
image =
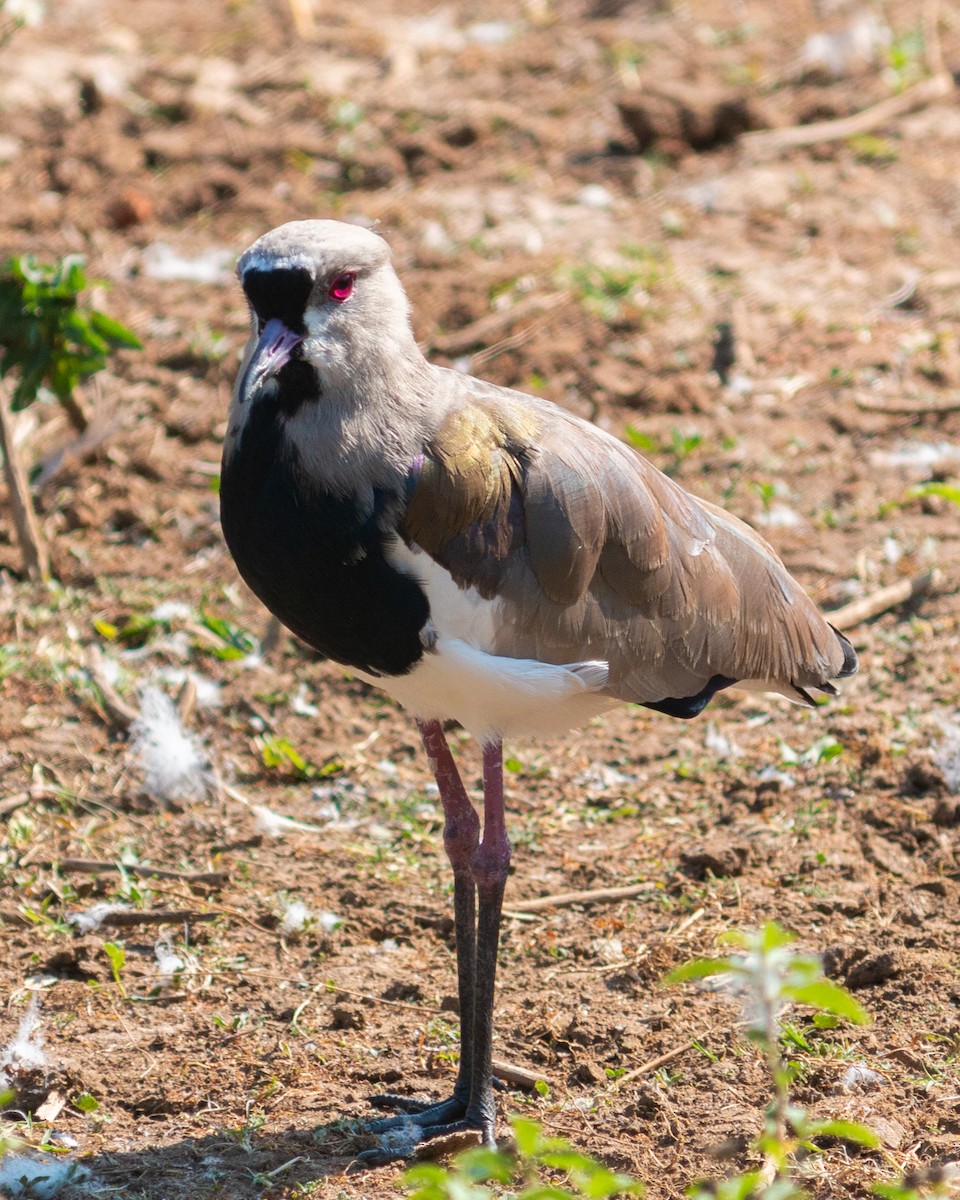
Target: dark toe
pixel 420 1113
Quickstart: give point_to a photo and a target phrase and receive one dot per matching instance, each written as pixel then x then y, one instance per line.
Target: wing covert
pixel 593 553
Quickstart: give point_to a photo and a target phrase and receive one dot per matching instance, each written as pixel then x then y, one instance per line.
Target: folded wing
pixel 594 554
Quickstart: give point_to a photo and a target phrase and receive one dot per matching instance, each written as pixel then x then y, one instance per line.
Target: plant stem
pixel 75 412
pixel 36 557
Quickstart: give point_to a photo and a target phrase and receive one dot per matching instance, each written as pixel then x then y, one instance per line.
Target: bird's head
pixel 325 303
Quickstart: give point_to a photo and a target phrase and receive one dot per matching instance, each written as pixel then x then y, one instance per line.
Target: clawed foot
pixel 417 1112
pixel 420 1121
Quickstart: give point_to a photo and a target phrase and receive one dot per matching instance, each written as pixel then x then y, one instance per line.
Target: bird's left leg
pixel 461 838
pixel 489 866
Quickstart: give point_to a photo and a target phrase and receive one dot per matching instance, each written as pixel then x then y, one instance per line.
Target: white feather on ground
pixel 171 760
pixel 93 917
pixel 38 1178
pixel 947 754
pixel 24 1052
pixel 295 916
pixel 276 825
pixel 169 964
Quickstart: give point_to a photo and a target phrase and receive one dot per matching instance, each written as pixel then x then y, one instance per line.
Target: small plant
pixel 941 1180
pixel 767 492
pixel 536 1157
pixel 237 643
pixel 906 55
pixel 86 1103
pixel 118 960
pixel 47 340
pixel 868 148
pixel 946 491
pixel 280 752
pixel 770 975
pixel 822 750
pixel 607 291
pixel 680 446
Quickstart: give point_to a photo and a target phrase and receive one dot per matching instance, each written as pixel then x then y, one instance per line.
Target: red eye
pixel 340 289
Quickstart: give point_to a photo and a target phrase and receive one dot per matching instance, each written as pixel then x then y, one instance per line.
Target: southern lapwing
pixel 482 556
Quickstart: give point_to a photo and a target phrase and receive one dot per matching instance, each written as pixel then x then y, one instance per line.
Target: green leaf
pixel 641 441
pixel 46 338
pixel 235 637
pixel 228 653
pixel 829 997
pixel 699 969
pixel 847 1131
pixel 278 752
pixel 895 1191
pixel 774 937
pixel 947 491
pixel 118 957
pixel 742 1187
pixel 481 1163
pixel 527 1135
pixel 117 335
pixel 86 1103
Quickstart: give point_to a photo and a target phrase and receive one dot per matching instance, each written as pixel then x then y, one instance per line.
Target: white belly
pixel 491 696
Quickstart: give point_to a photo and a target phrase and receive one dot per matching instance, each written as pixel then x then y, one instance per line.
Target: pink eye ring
pixel 341 287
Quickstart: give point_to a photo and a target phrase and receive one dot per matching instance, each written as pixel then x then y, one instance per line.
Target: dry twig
pixel 124 918
pixel 919 96
pixel 117 711
pixel 12 803
pixel 565 899
pixel 654 1064
pixel 520 1077
pixel 93 866
pixel 909 408
pixel 868 607
pixel 36 556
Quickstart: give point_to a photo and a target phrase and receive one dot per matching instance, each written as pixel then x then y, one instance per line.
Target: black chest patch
pixel 316 560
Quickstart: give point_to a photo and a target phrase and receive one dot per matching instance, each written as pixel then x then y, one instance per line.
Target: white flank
pixel 460 678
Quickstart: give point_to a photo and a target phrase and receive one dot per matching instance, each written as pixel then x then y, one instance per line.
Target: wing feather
pixel 594 554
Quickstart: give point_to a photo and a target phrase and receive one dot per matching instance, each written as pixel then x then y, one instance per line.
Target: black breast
pixel 316 560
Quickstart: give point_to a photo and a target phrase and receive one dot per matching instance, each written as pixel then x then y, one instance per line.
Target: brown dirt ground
pixel 487 141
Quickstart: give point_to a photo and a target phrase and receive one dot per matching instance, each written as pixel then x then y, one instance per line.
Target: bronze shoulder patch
pixel 467 474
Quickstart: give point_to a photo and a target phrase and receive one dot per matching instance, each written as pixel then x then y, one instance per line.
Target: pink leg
pixel 480 867
pixel 491 865
pixel 461 837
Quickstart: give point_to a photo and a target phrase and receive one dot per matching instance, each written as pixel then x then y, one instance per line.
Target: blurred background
pixel 725 230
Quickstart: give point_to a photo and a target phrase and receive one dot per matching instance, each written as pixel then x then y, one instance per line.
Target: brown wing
pixel 597 555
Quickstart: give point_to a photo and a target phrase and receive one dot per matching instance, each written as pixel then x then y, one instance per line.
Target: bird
pixel 484 557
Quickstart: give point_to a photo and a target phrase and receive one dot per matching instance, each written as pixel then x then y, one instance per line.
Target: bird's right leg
pixel 461 837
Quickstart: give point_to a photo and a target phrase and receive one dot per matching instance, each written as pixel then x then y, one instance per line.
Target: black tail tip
pixel 850 661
